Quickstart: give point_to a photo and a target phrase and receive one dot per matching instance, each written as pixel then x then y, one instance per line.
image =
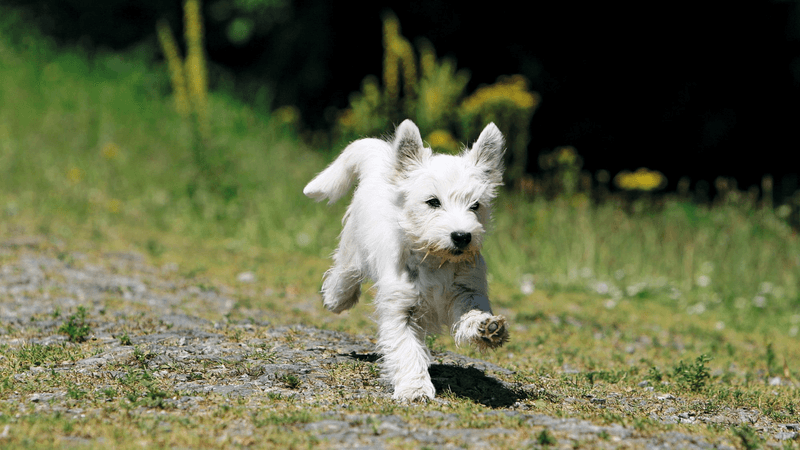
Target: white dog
pixel 415 227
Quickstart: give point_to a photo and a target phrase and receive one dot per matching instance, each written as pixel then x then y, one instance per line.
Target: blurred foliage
pixel 560 171
pixel 432 94
pixel 118 23
pixel 189 79
pixel 510 105
pixel 246 19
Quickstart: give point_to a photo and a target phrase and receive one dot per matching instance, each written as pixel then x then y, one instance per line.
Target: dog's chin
pixel 454 255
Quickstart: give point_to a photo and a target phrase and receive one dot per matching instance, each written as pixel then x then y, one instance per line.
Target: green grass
pixel 699 302
pixel 75 327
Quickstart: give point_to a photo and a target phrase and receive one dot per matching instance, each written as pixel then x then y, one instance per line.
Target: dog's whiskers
pixel 426 255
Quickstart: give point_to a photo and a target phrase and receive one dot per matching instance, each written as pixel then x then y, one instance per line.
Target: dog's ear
pixel 487 153
pixel 408 145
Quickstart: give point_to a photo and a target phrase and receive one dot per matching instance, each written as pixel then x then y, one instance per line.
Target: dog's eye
pixel 434 203
pixel 474 206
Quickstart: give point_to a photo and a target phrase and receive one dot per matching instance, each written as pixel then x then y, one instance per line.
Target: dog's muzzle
pixel 460 240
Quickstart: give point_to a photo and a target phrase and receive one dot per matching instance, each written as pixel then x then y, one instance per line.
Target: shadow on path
pixel 465 382
pixel 474 384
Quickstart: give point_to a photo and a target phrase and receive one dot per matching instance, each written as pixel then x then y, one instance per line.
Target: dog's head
pixel 446 199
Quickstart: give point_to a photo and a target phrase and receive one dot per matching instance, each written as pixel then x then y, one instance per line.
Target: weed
pixel 76 327
pixel 154 398
pixel 141 356
pixel 545 438
pixel 290 380
pixel 693 376
pixel 74 392
pixel 603 375
pixel 125 339
pixel 32 355
pixel 154 248
pixel 771 358
pixel 748 437
pixel 654 374
pixel 265 419
pixel 110 393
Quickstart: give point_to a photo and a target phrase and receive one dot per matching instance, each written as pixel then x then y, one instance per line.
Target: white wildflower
pixel 302 239
pixel 703 281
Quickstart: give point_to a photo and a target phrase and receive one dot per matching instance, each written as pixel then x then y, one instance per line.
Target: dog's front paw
pixel 412 392
pixel 493 332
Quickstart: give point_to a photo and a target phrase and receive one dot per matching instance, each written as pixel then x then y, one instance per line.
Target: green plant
pixel 76 327
pixel 290 380
pixel 545 438
pixel 141 356
pixel 693 376
pixel 748 437
pixel 74 392
pixel 771 360
pixel 434 97
pixel 125 339
pixel 655 375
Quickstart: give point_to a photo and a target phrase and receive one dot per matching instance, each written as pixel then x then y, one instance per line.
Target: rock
pixel 246 277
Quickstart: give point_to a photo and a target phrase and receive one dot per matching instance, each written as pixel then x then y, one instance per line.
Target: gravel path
pixel 154 308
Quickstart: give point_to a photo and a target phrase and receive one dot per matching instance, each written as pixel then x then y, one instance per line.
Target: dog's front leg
pixel 474 323
pixel 401 341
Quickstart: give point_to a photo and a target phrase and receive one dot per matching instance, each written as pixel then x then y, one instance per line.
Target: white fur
pixel 409 213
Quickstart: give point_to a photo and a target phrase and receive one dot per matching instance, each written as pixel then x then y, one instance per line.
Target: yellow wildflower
pixel 195 60
pixel 110 150
pixel 642 180
pixel 398 54
pixel 287 115
pixel 513 89
pixel 566 155
pixel 114 206
pixel 171 52
pixel 75 175
pixel 443 140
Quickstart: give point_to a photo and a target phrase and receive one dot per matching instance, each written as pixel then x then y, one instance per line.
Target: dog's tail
pixel 334 182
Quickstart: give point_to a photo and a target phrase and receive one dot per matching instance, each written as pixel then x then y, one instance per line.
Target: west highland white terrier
pixel 415 227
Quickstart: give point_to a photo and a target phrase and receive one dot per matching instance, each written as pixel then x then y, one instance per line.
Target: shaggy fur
pixel 415 227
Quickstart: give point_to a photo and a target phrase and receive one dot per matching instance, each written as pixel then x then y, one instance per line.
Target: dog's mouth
pixel 456 252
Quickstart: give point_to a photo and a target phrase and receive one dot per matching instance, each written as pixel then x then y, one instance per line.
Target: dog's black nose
pixel 460 239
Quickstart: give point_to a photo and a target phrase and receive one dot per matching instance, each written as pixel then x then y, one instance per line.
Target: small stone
pixel 785 435
pixel 246 277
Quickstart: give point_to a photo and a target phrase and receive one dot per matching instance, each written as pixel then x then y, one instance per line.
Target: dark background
pixel 701 89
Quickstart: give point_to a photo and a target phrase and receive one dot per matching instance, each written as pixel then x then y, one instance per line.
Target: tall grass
pixel 698 257
pixel 97 140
